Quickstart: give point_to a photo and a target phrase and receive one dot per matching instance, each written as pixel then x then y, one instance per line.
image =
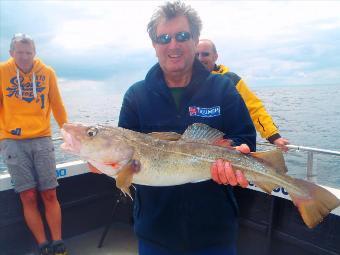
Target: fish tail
pixel 315 203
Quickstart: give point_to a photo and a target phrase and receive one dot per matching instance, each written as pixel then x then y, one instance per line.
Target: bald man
pixel 263 122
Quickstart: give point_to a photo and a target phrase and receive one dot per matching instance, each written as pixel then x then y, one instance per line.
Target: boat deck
pixel 268 224
pixel 120 240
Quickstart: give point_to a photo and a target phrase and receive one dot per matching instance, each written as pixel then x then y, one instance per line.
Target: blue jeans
pixel 147 248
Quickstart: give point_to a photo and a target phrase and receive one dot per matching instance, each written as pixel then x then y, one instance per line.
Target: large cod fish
pixel 164 159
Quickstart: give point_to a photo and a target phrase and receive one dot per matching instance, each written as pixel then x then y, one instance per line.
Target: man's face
pixel 23 55
pixel 206 55
pixel 175 58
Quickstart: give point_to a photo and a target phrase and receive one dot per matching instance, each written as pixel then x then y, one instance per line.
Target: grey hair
pixel 172 10
pixel 23 38
pixel 213 47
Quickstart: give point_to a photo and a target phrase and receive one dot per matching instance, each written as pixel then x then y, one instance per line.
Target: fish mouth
pixel 71 144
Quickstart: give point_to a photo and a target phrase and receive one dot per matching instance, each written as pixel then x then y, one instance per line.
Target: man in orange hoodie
pixel 28 94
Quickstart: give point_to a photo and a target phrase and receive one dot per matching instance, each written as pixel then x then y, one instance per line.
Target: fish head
pixel 100 144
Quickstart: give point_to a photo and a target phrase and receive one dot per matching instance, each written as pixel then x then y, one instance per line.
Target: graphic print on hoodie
pixel 27 88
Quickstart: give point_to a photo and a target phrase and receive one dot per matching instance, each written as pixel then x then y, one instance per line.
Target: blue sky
pixel 268 43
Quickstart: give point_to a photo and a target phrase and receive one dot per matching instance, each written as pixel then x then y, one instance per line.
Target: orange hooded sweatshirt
pixel 26 101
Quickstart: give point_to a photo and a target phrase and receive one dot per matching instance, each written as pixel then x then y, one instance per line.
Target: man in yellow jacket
pixel 28 94
pixel 207 54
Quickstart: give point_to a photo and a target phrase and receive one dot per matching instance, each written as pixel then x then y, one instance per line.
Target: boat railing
pixel 310 174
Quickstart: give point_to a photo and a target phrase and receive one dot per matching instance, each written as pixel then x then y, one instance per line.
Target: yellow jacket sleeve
pixel 263 122
pixel 56 102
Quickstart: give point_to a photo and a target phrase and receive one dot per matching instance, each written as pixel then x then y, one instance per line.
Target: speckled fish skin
pixel 165 163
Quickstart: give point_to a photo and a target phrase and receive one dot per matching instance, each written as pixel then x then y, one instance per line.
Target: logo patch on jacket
pixel 16 131
pixel 204 112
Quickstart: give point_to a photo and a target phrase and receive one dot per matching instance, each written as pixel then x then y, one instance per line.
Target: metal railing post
pixel 310 174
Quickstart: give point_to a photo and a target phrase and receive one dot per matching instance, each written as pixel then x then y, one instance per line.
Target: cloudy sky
pixel 268 43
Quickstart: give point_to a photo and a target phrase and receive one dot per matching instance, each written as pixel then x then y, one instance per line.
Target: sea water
pixel 306 115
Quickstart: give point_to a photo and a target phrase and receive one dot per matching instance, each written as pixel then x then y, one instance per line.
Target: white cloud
pixel 120 26
pixel 259 19
pixel 257 38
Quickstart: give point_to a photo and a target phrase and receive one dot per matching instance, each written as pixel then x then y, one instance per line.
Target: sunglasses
pixel 179 37
pixel 203 54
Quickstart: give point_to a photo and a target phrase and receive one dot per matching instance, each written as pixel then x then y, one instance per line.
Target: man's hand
pixel 281 143
pixel 222 172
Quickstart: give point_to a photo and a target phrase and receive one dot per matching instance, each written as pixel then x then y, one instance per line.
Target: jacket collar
pixel 155 79
pixel 220 69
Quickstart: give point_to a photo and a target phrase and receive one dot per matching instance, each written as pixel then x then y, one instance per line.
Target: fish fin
pixel 202 133
pixel 168 136
pixel 125 175
pixel 274 158
pixel 93 169
pixel 266 186
pixel 316 204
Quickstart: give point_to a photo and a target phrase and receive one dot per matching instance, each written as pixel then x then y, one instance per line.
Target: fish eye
pixel 92 132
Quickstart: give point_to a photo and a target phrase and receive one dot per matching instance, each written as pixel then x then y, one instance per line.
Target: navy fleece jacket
pixel 192 216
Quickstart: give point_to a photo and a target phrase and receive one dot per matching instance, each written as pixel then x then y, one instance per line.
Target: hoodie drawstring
pixel 19 86
pixel 34 86
pixel 33 83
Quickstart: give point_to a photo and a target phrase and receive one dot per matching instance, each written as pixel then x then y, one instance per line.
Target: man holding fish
pixel 193 218
pixel 175 139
